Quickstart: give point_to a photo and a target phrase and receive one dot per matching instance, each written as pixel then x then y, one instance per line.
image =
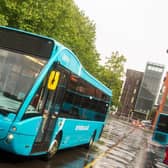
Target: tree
pixel 111 75
pixel 3 20
pixel 115 64
pixel 60 19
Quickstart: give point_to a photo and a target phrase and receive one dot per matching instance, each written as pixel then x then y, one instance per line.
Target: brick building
pixel 129 93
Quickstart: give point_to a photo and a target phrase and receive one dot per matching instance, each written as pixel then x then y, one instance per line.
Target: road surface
pixel 121 146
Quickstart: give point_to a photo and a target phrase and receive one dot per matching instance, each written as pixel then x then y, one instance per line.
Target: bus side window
pixel 35 105
pixel 35 100
pixel 88 102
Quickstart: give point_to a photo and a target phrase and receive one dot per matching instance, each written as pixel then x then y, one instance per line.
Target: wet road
pixel 154 156
pixel 70 158
pixel 128 150
pixel 121 146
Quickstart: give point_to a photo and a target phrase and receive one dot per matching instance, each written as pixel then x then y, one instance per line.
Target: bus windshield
pixel 163 124
pixel 18 72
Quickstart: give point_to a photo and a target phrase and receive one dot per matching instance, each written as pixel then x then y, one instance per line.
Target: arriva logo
pixel 81 128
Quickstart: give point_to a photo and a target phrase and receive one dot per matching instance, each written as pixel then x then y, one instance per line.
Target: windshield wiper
pixel 6 110
pixel 7 94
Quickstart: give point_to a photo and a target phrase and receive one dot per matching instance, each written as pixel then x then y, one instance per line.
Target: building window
pixel 132 99
pixel 137 82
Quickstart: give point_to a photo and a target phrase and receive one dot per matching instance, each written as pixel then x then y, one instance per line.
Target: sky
pixel 138 29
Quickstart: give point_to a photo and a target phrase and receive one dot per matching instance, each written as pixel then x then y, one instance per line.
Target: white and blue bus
pixel 48 101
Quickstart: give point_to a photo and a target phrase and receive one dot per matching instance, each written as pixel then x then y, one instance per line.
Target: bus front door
pixel 51 101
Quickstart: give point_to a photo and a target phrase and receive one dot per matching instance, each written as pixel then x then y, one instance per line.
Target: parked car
pixel 146 123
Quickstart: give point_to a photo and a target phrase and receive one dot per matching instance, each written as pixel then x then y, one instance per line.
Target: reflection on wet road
pixel 70 158
pixel 155 156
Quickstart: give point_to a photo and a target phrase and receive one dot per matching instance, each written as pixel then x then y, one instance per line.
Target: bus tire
pixel 53 148
pixel 89 145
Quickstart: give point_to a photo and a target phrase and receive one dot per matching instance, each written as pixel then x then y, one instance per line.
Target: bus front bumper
pixel 17 143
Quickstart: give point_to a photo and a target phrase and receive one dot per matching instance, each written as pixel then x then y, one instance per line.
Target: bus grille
pixel 160 138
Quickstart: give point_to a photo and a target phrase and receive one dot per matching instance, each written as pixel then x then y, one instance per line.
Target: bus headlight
pixel 14 128
pixel 9 138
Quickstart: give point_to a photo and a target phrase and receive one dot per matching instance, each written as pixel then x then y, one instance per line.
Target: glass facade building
pixel 149 89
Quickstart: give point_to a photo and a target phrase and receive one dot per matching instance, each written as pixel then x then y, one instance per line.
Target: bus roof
pixel 67 59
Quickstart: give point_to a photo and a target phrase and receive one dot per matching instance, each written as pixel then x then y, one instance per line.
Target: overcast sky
pixel 138 29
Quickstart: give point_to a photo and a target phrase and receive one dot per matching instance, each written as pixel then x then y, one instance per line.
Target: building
pixel 129 93
pixel 163 104
pixel 149 90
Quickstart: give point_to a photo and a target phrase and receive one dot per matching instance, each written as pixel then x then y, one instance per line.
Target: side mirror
pixel 53 80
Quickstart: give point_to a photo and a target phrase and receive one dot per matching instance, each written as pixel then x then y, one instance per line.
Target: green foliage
pixel 60 19
pixel 111 75
pixel 3 20
pixel 115 64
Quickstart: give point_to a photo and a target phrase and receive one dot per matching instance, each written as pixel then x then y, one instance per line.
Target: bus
pixel 48 101
pixel 160 133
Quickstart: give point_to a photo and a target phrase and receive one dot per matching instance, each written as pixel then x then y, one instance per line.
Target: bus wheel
pixel 88 146
pixel 53 148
